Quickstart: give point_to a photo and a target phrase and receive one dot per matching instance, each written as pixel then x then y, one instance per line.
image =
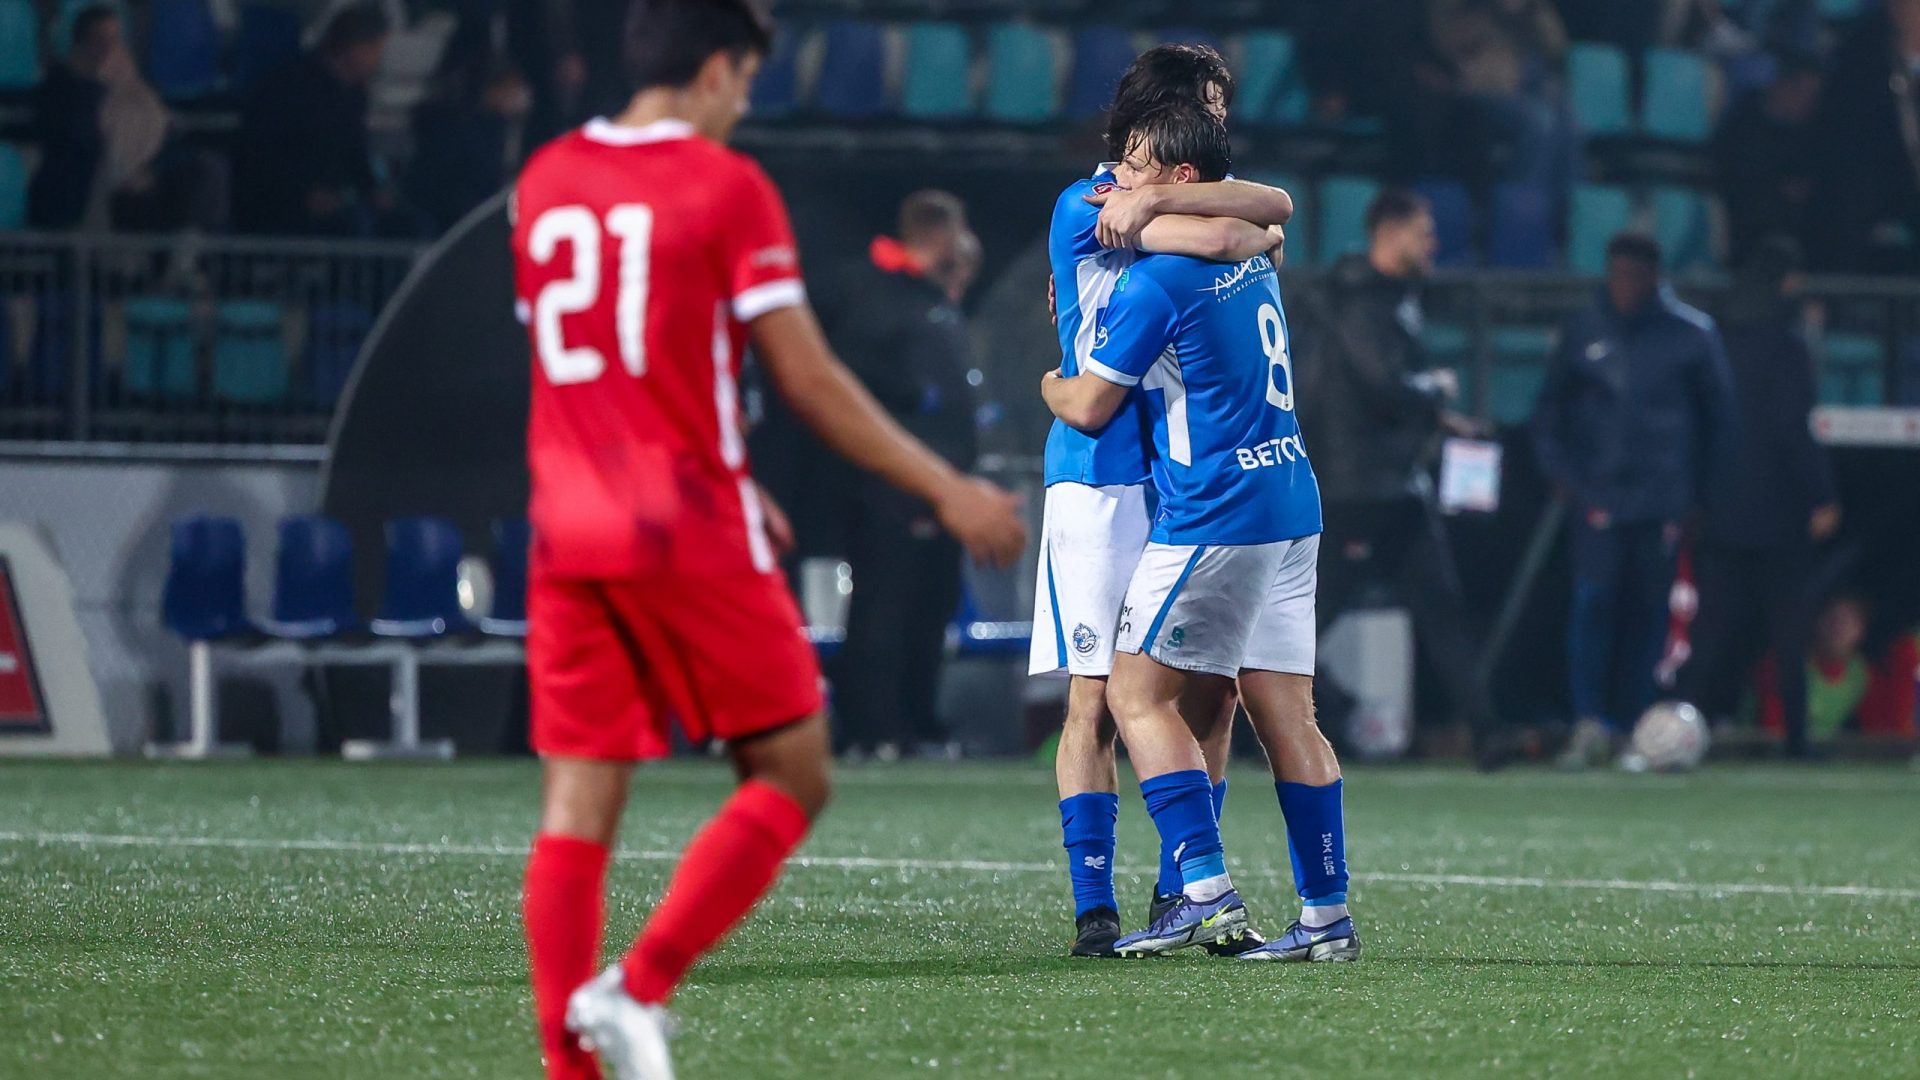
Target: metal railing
pixel 184 339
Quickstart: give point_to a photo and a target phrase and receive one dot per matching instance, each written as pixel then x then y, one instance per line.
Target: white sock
pixel 1313 918
pixel 1207 888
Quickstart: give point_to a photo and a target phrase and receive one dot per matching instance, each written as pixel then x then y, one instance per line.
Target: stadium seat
pixel 776 90
pixel 1446 345
pixel 1272 91
pixel 268 36
pixel 1512 390
pixel 1452 219
pixel 1022 74
pixel 1674 101
pixel 1343 216
pixel 313 580
pixel 853 73
pixel 1100 56
pixel 1597 212
pixel 1683 223
pixel 205 597
pixel 183 49
pixel 939 72
pixel 335 332
pixel 1597 82
pixel 1189 35
pixel 161 360
pixel 1300 232
pixel 249 353
pixel 1522 232
pixel 511 540
pixel 1853 368
pixel 19 44
pixel 13 187
pixel 51 353
pixel 1836 10
pixel 423 579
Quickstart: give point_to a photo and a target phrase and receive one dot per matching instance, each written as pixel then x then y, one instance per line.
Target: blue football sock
pixel 1181 805
pixel 1316 841
pixel 1219 798
pixel 1087 824
pixel 1169 880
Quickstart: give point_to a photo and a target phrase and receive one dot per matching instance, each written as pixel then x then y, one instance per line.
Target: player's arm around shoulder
pixel 1134 328
pixel 1227 220
pixel 1085 401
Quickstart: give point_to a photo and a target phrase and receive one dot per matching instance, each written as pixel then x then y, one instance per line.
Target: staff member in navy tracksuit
pixel 1627 426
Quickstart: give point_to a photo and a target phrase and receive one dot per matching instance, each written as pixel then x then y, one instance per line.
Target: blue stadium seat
pixel 1683 223
pixel 511 540
pixel 776 90
pixel 1022 74
pixel 313 580
pixel 19 44
pixel 1522 233
pixel 13 187
pixel 939 72
pixel 423 579
pixel 1343 215
pixel 161 360
pixel 976 636
pixel 268 36
pixel 249 353
pixel 52 351
pixel 1597 212
pixel 1100 56
pixel 1597 82
pixel 335 332
pixel 1452 219
pixel 1673 102
pixel 183 48
pixel 853 72
pixel 1272 90
pixel 1853 368
pixel 205 598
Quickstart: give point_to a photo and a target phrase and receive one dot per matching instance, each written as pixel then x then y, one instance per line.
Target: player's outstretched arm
pixel 829 400
pixel 1213 239
pixel 1085 402
pixel 1126 214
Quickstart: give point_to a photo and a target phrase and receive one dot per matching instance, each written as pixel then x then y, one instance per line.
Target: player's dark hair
pixel 1635 247
pixel 931 211
pixel 1393 206
pixel 89 18
pixel 356 24
pixel 669 41
pixel 1186 134
pixel 1165 75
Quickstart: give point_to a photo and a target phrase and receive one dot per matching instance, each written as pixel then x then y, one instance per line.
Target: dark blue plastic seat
pixel 776 90
pixel 1100 56
pixel 423 579
pixel 206 593
pixel 313 580
pixel 1452 219
pixel 268 36
pixel 335 332
pixel 511 539
pixel 1522 230
pixel 183 49
pixel 852 80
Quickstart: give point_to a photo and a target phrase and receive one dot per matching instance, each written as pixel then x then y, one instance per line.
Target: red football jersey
pixel 640 254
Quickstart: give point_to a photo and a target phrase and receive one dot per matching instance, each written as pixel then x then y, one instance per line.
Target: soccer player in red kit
pixel 647 257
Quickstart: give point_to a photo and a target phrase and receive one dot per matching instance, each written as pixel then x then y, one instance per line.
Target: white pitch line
pixel 977 866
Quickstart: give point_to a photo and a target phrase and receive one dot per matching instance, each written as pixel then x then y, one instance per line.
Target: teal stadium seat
pixel 1300 230
pixel 1853 368
pixel 1272 91
pixel 1343 216
pixel 19 44
pixel 1683 223
pixel 1839 9
pixel 13 187
pixel 939 72
pixel 1595 214
pixel 249 353
pixel 160 359
pixel 1446 344
pixel 1597 79
pixel 1022 75
pixel 1674 102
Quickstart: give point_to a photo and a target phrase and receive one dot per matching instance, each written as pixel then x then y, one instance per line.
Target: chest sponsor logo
pixel 1272 452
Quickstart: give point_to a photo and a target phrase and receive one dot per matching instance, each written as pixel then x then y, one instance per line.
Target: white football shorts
pixel 1224 609
pixel 1090 541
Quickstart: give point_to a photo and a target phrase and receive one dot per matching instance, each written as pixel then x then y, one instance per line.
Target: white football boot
pixel 630 1038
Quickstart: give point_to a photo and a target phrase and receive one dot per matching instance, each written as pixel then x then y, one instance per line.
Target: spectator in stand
pixel 106 158
pixel 1505 57
pixel 1834 677
pixel 1869 121
pixel 1773 501
pixel 303 166
pixel 467 137
pixel 1765 161
pixel 1374 59
pixel 1631 419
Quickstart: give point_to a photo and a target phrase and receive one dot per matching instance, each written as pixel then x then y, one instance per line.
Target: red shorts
pixel 611 663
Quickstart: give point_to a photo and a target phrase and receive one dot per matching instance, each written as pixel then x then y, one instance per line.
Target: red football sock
pixel 565 908
pixel 723 872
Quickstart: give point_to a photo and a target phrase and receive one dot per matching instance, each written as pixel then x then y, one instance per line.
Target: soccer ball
pixel 1670 737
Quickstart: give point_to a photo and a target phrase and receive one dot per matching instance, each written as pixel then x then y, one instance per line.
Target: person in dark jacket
pixel 1374 414
pixel 1869 153
pixel 901 331
pixel 1773 501
pixel 1631 418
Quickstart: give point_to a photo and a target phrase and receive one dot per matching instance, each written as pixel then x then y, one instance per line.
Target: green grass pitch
pixel 330 921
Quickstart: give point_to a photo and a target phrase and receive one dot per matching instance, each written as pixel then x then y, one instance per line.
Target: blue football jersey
pixel 1207 342
pixel 1083 277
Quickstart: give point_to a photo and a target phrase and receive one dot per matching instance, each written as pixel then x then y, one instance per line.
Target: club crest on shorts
pixel 1085 639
